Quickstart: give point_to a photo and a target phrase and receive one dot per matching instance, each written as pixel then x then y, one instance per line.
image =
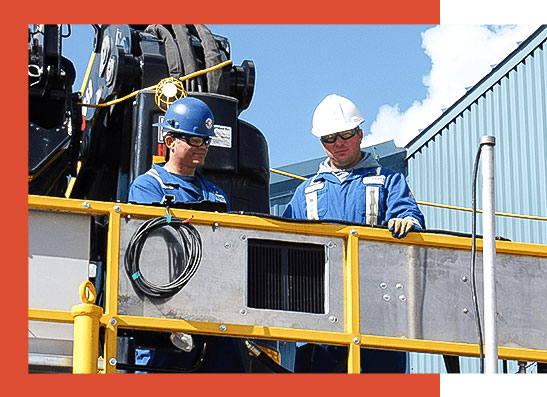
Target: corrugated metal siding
pixel 514 110
pixel 426 363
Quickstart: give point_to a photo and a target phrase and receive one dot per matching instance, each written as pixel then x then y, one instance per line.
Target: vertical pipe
pixel 86 331
pixel 489 255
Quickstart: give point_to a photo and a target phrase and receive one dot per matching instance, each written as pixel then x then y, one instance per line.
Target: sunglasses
pixel 195 141
pixel 345 135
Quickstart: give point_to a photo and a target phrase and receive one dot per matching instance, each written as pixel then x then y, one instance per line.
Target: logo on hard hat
pixel 209 123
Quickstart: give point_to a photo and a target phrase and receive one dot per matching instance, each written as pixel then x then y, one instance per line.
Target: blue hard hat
pixel 188 116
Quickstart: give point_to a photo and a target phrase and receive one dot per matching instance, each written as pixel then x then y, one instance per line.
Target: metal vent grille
pixel 286 276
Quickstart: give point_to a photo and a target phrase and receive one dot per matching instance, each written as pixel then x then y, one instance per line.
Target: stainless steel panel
pixel 419 292
pixel 49 355
pixel 217 291
pixel 58 258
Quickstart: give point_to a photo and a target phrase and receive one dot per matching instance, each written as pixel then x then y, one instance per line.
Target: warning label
pixel 223 136
pixel 160 130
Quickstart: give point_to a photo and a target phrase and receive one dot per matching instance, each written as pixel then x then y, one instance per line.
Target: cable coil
pixel 473 257
pixel 187 260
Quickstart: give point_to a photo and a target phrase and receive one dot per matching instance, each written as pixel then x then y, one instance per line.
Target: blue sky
pixel 400 76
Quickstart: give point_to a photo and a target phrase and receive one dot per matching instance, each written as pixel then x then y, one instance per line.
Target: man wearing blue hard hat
pixel 188 126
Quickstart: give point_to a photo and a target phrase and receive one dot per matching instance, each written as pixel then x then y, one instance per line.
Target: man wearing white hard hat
pixel 352 186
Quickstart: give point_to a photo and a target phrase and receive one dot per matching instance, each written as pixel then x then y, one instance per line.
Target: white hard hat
pixel 335 114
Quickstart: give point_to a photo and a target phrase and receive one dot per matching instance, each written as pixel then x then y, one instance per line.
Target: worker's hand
pixel 400 227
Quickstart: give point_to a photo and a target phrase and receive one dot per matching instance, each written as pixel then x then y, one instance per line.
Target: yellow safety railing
pixel 452 207
pixel 87 317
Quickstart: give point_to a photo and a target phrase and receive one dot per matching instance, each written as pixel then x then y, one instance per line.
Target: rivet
pixel 399 286
pixel 387 297
pixel 117 208
pixel 113 321
pixel 113 361
pixel 216 225
pixel 464 279
pixel 243 312
pixel 222 328
pixel 331 244
pixel 356 340
pixel 86 204
pixel 402 298
pixel 383 285
pixel 227 245
pixel 128 217
pixel 243 237
pixel 353 232
pixel 333 319
pixel 465 310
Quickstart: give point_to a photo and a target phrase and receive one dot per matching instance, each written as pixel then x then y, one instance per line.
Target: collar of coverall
pixel 368 161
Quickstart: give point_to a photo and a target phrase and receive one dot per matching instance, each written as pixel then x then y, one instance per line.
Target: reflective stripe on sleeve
pixel 372 202
pixel 153 173
pixel 311 200
pixel 311 205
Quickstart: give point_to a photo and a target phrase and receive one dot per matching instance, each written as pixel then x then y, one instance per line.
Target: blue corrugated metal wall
pixel 425 363
pixel 514 110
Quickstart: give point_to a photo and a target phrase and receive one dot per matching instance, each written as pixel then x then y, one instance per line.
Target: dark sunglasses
pixel 195 141
pixel 345 135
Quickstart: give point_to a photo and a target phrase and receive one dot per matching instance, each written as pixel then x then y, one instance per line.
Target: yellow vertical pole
pixel 86 331
pixel 352 302
pixel 111 290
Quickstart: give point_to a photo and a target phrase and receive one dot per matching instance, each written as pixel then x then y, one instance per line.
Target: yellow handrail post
pixel 86 331
pixel 352 302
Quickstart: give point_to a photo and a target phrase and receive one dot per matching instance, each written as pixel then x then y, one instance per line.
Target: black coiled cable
pixel 188 259
pixel 473 255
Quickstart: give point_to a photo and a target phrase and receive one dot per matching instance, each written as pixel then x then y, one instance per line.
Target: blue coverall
pixel 368 194
pixel 151 187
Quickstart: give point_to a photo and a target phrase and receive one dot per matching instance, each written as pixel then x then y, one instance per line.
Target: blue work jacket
pixel 367 194
pixel 151 187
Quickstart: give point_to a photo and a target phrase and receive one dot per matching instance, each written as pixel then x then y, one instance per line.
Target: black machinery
pixel 115 144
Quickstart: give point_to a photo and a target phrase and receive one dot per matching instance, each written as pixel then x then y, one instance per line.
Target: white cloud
pixel 460 56
pixel 493 11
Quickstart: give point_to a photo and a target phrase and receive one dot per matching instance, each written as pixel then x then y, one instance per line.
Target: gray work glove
pixel 399 227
